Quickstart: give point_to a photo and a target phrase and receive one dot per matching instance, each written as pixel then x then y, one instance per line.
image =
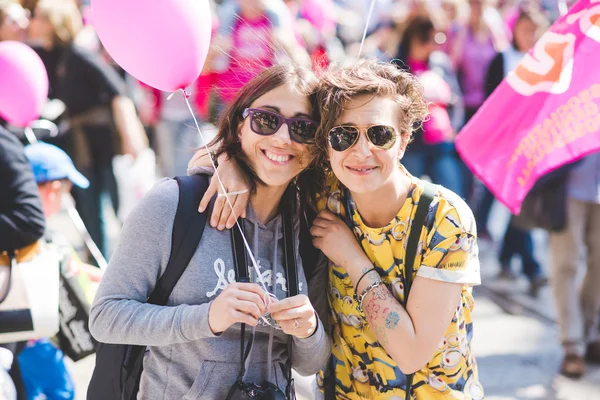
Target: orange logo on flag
pixel 548 68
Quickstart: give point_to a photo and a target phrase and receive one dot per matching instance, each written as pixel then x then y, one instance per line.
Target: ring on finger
pixel 296 324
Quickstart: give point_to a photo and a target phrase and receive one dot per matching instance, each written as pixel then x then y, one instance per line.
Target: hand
pixel 234 181
pixel 239 302
pixel 333 237
pixel 295 315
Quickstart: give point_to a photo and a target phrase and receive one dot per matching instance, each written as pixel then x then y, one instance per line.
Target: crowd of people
pixel 328 119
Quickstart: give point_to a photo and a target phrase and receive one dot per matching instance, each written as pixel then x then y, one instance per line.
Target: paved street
pixel 516 340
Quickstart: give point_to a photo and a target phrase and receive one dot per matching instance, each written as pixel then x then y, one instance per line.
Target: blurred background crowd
pixel 454 45
pixel 460 49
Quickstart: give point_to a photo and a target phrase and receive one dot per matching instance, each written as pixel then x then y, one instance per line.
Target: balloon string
pixel 362 42
pixel 205 144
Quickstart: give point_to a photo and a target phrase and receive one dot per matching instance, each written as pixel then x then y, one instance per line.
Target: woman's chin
pixel 277 177
pixel 275 180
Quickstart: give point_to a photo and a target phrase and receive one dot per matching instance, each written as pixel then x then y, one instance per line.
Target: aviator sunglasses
pixel 266 123
pixel 341 138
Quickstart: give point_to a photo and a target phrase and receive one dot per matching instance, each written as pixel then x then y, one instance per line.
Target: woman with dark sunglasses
pixel 370 110
pixel 194 341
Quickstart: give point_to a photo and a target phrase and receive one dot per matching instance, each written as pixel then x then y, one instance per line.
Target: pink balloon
pixel 23 83
pixel 162 43
pixel 320 13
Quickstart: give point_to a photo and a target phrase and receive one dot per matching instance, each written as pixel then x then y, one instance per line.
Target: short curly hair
pixel 339 85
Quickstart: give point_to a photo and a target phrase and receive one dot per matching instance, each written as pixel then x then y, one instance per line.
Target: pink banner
pixel 544 114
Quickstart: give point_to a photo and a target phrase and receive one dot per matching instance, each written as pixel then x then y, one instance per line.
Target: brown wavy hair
pixel 339 85
pixel 309 182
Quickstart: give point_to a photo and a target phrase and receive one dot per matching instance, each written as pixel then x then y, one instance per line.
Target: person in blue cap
pixel 42 365
pixel 54 173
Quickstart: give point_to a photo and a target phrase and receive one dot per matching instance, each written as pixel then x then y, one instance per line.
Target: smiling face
pixel 277 159
pixel 365 168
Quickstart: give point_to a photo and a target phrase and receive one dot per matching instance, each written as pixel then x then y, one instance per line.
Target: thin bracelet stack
pixel 360 279
pixel 359 299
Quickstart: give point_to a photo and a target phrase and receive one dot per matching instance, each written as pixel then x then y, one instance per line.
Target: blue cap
pixel 50 163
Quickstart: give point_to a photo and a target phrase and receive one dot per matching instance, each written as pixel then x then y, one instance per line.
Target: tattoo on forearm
pixel 392 319
pixel 380 293
pixel 381 317
pixel 373 309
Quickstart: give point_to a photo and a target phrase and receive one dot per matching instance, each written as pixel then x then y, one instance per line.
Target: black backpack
pixel 119 367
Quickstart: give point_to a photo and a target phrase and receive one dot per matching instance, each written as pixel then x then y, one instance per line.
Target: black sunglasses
pixel 341 138
pixel 266 123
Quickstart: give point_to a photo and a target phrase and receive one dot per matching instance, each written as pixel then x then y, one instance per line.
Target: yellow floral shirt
pixel 447 252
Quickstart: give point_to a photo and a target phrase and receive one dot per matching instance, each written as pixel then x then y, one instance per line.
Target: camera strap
pixel 291 271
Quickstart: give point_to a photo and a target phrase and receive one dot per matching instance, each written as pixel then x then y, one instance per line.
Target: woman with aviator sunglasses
pixel 194 341
pixel 370 110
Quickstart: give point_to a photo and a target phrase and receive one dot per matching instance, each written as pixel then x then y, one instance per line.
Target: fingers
pixel 291 314
pixel 318 231
pixel 288 303
pixel 253 298
pixel 327 215
pixel 208 195
pixel 220 202
pixel 239 302
pixel 225 213
pixel 222 215
pixel 230 222
pixel 301 327
pixel 241 203
pixel 320 222
pixel 247 307
pixel 317 243
pixel 249 287
pixel 245 318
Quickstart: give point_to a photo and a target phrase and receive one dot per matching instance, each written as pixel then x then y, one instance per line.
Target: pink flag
pixel 544 114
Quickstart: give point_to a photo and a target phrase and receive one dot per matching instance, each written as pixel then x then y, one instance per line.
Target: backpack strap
pixel 188 228
pixel 418 223
pixel 187 231
pixel 413 237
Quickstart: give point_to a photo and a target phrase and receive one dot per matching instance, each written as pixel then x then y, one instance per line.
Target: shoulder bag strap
pixel 412 246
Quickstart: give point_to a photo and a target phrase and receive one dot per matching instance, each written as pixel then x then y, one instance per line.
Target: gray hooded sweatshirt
pixel 184 359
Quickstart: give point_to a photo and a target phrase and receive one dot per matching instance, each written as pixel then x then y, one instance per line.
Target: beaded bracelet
pixel 365 292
